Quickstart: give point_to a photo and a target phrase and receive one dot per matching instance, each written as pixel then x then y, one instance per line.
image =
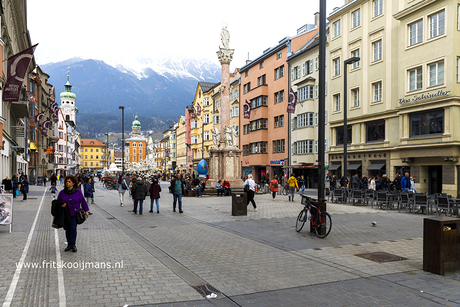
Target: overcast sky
pixel 125 31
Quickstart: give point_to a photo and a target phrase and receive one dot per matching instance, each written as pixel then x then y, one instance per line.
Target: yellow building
pixel 181 150
pixel 200 122
pixel 92 153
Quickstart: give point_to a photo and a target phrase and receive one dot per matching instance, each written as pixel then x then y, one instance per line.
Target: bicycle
pixel 321 221
pixel 285 190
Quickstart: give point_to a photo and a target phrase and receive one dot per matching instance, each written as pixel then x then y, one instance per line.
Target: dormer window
pixel 91 142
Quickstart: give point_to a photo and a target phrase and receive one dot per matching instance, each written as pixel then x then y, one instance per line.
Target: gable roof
pixel 206 86
pixel 87 142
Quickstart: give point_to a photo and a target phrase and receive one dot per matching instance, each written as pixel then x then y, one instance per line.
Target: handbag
pixel 246 188
pixel 123 185
pixel 80 214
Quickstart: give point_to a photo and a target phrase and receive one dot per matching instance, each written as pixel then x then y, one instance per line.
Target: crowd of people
pixel 377 183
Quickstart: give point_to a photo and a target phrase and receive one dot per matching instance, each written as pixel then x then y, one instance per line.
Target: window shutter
pixel 303 69
pixel 325 145
pixel 316 146
pixel 316 118
pixel 316 63
pixel 316 90
pixel 292 74
pixel 292 149
pixel 311 65
pixel 325 117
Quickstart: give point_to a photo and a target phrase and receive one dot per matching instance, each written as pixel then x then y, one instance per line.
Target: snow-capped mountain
pixel 144 87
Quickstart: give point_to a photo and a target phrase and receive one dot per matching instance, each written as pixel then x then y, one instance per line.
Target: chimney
pixel 317 19
pixel 248 60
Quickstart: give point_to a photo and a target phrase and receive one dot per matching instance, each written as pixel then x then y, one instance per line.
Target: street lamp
pixel 122 108
pixel 345 107
pixel 107 151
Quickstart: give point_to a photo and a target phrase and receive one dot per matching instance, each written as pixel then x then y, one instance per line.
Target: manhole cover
pixel 206 290
pixel 381 257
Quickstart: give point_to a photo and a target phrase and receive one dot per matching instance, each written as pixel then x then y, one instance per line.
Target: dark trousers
pixel 71 230
pixel 24 196
pixel 273 194
pixel 229 191
pixel 14 192
pixel 141 205
pixel 251 198
pixel 177 197
pixel 220 192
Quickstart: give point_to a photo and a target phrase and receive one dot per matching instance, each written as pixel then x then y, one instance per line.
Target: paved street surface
pixel 254 260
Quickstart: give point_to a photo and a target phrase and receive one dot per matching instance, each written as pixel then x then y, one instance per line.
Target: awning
pixel 376 166
pixel 300 166
pixel 354 166
pixel 335 166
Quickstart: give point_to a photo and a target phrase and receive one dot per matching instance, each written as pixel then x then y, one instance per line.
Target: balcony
pixel 20 109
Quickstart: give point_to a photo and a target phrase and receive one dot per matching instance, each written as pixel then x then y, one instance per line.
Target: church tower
pixel 68 102
pixel 136 128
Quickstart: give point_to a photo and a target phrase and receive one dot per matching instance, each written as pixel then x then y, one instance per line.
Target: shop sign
pixel 49 151
pixel 423 97
pixel 279 162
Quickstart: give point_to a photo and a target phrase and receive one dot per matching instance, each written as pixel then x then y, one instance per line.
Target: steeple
pixel 136 127
pixel 68 91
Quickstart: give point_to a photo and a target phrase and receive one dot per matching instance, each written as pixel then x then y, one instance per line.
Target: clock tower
pixel 68 98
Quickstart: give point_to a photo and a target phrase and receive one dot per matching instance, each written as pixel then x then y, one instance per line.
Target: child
pixel 53 190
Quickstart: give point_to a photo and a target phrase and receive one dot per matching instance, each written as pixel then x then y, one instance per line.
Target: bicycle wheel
pixel 323 227
pixel 301 219
pixel 285 190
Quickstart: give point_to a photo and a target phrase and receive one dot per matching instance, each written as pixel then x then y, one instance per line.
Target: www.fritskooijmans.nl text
pixel 79 265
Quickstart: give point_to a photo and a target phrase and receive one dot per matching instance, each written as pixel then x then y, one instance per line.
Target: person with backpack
pixel 155 190
pixel 122 188
pixel 274 187
pixel 139 191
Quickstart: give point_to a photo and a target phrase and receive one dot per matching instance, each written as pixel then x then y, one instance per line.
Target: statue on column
pixel 228 136
pixel 234 135
pixel 215 136
pixel 225 37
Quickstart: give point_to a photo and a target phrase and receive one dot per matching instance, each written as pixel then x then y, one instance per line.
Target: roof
pixel 137 138
pixel 206 86
pixel 87 142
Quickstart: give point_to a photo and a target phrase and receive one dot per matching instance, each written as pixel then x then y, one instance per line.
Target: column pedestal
pixel 224 164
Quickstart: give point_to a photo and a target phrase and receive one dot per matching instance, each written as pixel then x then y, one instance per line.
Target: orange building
pixel 265 85
pixel 137 144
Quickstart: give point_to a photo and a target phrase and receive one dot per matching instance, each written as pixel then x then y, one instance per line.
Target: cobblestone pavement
pixel 253 260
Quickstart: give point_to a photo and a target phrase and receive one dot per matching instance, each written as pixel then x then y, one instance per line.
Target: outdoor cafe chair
pixel 338 194
pixel 406 202
pixel 443 205
pixel 421 200
pixel 357 195
pixel 381 199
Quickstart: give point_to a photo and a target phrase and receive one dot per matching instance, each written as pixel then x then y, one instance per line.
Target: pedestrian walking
pixel 91 182
pixel 139 191
pixel 302 183
pixel 74 200
pixel 274 187
pixel 250 190
pixel 355 181
pixel 15 184
pixel 122 188
pixel 177 187
pixel 24 187
pixel 292 183
pixel 412 184
pixel 405 183
pixel 155 190
pixel 44 180
pixel 61 179
pixel 372 184
pixel 53 190
pixel 53 179
pixel 88 192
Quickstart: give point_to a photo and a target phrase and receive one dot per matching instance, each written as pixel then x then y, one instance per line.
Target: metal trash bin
pixel 441 245
pixel 239 204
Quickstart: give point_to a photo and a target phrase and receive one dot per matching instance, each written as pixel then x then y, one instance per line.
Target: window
pixel 375 131
pixel 295 73
pixel 279 121
pixel 377 91
pixel 427 123
pixel 247 87
pixel 279 55
pixel 60 148
pixel 62 160
pixel 279 97
pixel 217 104
pixel 97 157
pixel 246 73
pixel 415 32
pixel 261 65
pixel 194 139
pixel 305 93
pixel 246 129
pixel 437 24
pixel 278 146
pixel 309 66
pixel 259 147
pixel 282 71
pixel 304 120
pixel 336 66
pixel 258 124
pixel 261 80
pixel 216 119
pixel 436 73
pixel 355 54
pixel 377 7
pixel 61 135
pixel 91 150
pixel 355 95
pixel 86 157
pixel 377 50
pixel 340 135
pixel 206 118
pixel 415 79
pixel 458 66
pixel 194 124
pixel 337 28
pixel 303 147
pixel 337 102
pixel 258 102
pixel 91 163
pixel 245 150
pixel 206 135
pixel 356 18
pixel 234 112
pixel 206 101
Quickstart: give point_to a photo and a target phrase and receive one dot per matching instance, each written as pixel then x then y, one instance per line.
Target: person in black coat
pixel 139 191
pixel 53 179
pixel 24 187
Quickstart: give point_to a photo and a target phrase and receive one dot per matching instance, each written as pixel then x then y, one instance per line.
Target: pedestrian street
pixel 173 259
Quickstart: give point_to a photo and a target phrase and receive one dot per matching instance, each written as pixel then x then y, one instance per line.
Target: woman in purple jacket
pixel 73 199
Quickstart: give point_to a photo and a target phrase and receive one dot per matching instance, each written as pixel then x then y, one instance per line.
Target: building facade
pixel 136 145
pixel 265 86
pixel 181 151
pixel 92 155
